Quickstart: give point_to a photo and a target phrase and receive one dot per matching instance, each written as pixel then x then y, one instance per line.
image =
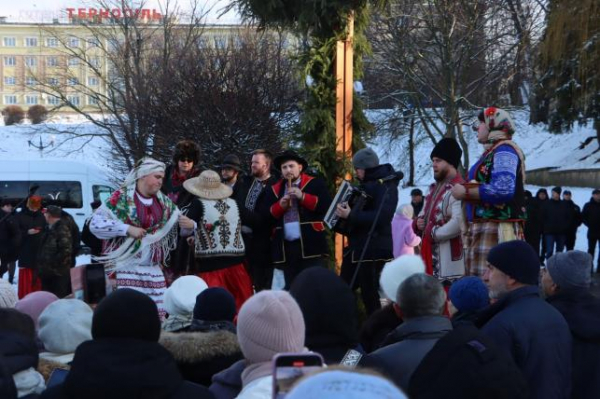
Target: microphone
pixel 33 189
pixel 393 177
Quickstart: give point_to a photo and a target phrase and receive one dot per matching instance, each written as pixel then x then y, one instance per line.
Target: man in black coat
pixel 574 220
pixel 591 218
pixel 566 282
pixel 522 324
pixel 10 239
pixel 384 195
pixel 555 222
pixel 295 207
pixel 536 219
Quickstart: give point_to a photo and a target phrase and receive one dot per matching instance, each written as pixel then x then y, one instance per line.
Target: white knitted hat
pixel 180 297
pixel 8 296
pixel 65 324
pixel 398 270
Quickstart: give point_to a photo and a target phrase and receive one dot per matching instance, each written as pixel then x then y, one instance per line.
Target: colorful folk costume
pixel 218 245
pixel 442 246
pixel 137 263
pixel 499 214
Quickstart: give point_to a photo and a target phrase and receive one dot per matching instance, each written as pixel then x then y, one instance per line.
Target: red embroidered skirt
pixel 27 283
pixel 234 279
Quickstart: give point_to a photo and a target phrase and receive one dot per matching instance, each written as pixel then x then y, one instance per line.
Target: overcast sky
pixel 38 10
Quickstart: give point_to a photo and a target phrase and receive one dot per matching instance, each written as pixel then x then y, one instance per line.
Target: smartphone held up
pixel 290 367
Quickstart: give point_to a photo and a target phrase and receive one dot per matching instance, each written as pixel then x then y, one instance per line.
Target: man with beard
pixel 295 207
pixel 230 171
pixel 368 171
pixel 526 327
pixel 441 219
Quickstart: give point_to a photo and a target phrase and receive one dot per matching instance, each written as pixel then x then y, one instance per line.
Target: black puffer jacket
pixel 30 243
pixel 10 237
pixel 329 309
pixel 555 217
pixel 360 222
pixel 591 217
pixel 127 369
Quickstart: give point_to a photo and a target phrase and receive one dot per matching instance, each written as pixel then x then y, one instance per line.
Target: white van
pixel 73 185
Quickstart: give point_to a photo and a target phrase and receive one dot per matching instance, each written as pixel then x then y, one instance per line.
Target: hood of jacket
pixel 421 328
pixel 378 172
pixel 231 377
pixel 196 346
pixel 122 368
pixel 19 352
pixel 581 310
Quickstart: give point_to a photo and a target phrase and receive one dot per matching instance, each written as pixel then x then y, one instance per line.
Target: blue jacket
pixel 537 337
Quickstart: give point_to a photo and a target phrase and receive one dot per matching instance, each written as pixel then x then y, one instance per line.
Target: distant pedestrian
pixel 31 223
pixel 591 218
pixel 574 220
pixel 555 223
pixel 417 201
pixel 10 239
pixel 403 236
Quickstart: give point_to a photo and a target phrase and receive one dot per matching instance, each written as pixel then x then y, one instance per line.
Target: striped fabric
pixel 147 279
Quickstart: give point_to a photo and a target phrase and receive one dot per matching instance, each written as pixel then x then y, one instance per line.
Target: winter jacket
pixel 30 243
pixel 404 238
pixel 124 368
pixel 66 218
pixel 555 217
pixel 591 217
pixel 10 237
pixel 55 257
pixel 540 345
pixel 360 221
pixel 466 364
pixel 200 355
pixel 574 215
pixel 460 318
pixel 20 357
pixel 581 310
pixel 413 339
pixel 377 327
pixel 533 224
pixel 228 383
pixel 330 315
pixel 311 211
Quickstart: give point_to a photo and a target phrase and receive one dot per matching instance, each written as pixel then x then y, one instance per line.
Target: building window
pixel 93 42
pixel 51 42
pixel 31 61
pixel 93 81
pixel 53 100
pixel 10 100
pixel 31 81
pixel 73 42
pixel 92 100
pixel 31 42
pixel 10 81
pixel 73 100
pixel 52 61
pixel 73 61
pixel 220 42
pixel 95 62
pixel 53 81
pixel 10 61
pixel 73 81
pixel 31 100
pixel 10 42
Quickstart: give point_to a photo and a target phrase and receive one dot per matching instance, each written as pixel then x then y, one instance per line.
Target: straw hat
pixel 208 186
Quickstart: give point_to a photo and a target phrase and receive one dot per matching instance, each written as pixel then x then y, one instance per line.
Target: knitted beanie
pixel 180 297
pixel 339 384
pixel 34 303
pixel 448 150
pixel 469 294
pixel 365 159
pixel 269 323
pixel 214 304
pixel 8 296
pixel 571 269
pixel 126 313
pixel 517 259
pixel 65 324
pixel 396 271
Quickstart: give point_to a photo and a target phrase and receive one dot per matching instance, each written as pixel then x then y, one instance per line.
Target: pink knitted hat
pixel 33 304
pixel 270 322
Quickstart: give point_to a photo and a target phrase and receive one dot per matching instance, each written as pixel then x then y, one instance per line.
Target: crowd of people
pixel 450 288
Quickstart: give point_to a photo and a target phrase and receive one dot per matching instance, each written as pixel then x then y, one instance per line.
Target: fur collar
pixel 195 346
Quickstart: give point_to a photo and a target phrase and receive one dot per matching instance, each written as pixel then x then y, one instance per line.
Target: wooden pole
pixel 344 74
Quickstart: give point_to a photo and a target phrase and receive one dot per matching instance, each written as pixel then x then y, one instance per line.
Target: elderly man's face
pixel 548 284
pixel 496 281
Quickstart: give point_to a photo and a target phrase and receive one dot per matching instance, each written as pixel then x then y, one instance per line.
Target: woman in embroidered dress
pixel 139 224
pixel 214 228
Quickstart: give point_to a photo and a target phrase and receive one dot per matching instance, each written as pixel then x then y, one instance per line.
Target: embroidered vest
pixel 220 231
pixel 513 210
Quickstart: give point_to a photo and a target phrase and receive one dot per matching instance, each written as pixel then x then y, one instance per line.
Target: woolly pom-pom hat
pixel 396 271
pixel 469 294
pixel 269 323
pixel 65 324
pixel 180 297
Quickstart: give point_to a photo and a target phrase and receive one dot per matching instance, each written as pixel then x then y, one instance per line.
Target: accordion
pixel 356 199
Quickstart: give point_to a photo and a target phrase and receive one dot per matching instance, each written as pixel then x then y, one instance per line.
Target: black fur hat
pixel 186 149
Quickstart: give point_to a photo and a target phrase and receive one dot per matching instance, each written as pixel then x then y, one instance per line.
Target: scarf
pixel 255 371
pixel 161 238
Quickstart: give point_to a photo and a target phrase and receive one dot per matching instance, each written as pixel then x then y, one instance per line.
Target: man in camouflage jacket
pixel 55 257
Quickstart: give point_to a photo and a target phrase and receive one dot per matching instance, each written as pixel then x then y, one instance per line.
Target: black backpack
pixel 467 364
